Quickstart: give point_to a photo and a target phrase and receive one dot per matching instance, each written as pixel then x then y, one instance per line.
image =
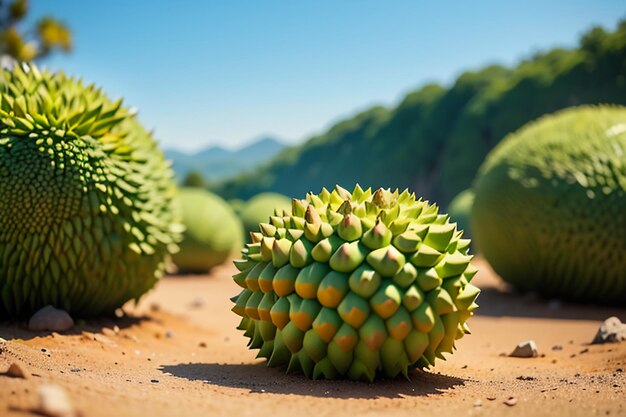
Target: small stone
pixel 527 349
pixel 478 403
pixel 492 398
pixel 50 318
pixel 557 347
pixel 511 401
pixel 18 371
pixel 197 302
pixel 53 402
pixel 612 330
pixel 154 381
pixel 585 350
pixel 202 344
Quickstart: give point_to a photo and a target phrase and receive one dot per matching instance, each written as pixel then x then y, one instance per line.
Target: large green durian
pixel 213 232
pixel 355 285
pixel 260 207
pixel 550 208
pixel 86 215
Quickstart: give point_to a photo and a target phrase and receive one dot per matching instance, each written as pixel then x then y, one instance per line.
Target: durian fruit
pixel 260 207
pixel 460 210
pixel 86 198
pixel 550 208
pixel 213 232
pixel 355 284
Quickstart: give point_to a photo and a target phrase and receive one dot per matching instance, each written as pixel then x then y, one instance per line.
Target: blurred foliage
pixel 194 179
pixel 434 141
pixel 47 35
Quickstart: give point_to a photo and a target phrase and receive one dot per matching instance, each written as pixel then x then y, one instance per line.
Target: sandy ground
pixel 178 354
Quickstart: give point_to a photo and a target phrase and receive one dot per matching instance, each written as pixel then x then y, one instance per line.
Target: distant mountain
pixel 216 163
pixel 435 139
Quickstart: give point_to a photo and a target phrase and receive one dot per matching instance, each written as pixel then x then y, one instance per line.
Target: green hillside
pixel 434 141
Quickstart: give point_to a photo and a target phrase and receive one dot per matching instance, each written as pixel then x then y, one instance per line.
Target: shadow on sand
pixel 10 330
pixel 260 378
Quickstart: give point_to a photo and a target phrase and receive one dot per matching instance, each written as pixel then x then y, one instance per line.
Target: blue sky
pixel 207 72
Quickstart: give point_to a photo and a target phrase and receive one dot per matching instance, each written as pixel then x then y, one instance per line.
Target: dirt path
pixel 178 353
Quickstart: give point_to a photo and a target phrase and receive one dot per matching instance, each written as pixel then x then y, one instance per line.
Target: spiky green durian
pixel 460 210
pixel 550 208
pixel 213 232
pixel 260 207
pixel 355 285
pixel 86 215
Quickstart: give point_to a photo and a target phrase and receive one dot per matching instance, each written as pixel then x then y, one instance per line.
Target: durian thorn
pixel 312 216
pixel 342 192
pixel 379 198
pixel 345 208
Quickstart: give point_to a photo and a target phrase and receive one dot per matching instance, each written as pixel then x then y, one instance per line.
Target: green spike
pixel 309 279
pixel 452 265
pixel 332 289
pixel 441 301
pixel 373 332
pixel 280 252
pixel 407 242
pixel 279 313
pixel 292 336
pixel 340 358
pixel 435 336
pixel 426 256
pixel 252 304
pixel 415 344
pixel 346 337
pixel 284 282
pixel 325 368
pixel 405 276
pixel 377 237
pixel 386 261
pixel 350 228
pixel 439 236
pixel 412 298
pixel 305 314
pixel 324 249
pixel 364 281
pixel 266 276
pixel 386 301
pixel 314 346
pixel 298 208
pixel 450 323
pixel 393 358
pixel 240 303
pixel 347 257
pixel 252 278
pixel 280 354
pixel 354 310
pixel 327 323
pixel 266 304
pixel 300 254
pixel 427 279
pixel 423 318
